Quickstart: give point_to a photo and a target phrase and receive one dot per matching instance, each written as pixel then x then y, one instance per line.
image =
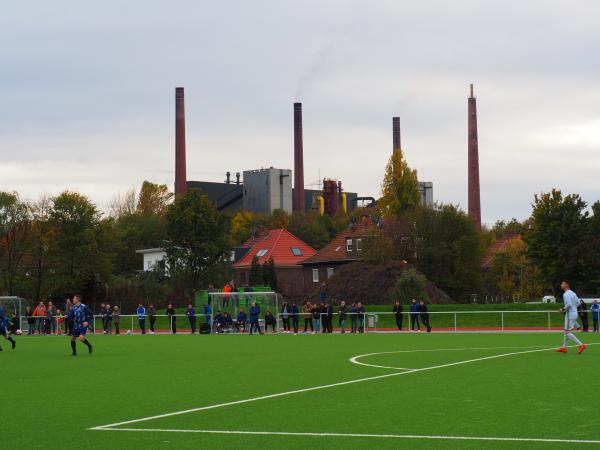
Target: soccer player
pixel 4 328
pixel 81 316
pixel 569 309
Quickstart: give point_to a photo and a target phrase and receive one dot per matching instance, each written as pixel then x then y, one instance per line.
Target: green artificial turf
pixel 50 400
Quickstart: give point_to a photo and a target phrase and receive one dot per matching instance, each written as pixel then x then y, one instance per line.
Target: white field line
pixel 359 435
pixel 309 389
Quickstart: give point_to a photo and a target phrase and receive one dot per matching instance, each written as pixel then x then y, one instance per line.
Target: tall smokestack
pixel 396 132
pixel 298 200
pixel 474 194
pixel 180 171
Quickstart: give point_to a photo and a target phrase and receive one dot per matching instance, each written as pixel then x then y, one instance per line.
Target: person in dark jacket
pixel 323 316
pixel 4 325
pixel 316 317
pixel 255 318
pixel 424 315
pixel 295 315
pixel 342 315
pixel 151 317
pixel 191 315
pixel 219 322
pixel 595 308
pixel 329 315
pixel 353 318
pixel 240 323
pixel 172 318
pixel 398 314
pixel 30 320
pixel 270 320
pixel 414 316
pixel 285 316
pixel 117 319
pixel 227 323
pixel 360 315
pixel 583 314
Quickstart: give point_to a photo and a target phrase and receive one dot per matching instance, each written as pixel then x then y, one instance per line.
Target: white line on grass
pixel 309 389
pixel 360 435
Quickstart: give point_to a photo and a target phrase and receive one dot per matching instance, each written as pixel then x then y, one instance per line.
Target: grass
pixel 50 399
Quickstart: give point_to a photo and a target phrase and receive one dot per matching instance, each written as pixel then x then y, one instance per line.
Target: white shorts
pixel 570 322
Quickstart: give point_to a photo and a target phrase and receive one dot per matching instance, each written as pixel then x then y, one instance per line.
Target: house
pixel 153 259
pixel 287 252
pixel 345 248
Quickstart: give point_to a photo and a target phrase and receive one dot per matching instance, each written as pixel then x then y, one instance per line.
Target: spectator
pixel 270 320
pixel 398 314
pixel 172 318
pixel 360 312
pixel 141 313
pixel 191 314
pixel 295 317
pixel 14 326
pixel 414 316
pixel 40 313
pixel 316 316
pixel 207 312
pixel 50 318
pixel 353 318
pixel 248 290
pixel 595 308
pixel 323 292
pixel 583 314
pixel 151 317
pixel 424 314
pixel 329 316
pixel 285 316
pixel 307 313
pixel 323 317
pixel 342 314
pixel 219 322
pixel 30 320
pixel 241 320
pixel 60 318
pixel 68 322
pixel 227 289
pixel 102 313
pixel 109 319
pixel 117 319
pixel 254 318
pixel 210 290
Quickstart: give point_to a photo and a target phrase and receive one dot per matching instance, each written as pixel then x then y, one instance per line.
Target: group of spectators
pixel 582 311
pixel 419 313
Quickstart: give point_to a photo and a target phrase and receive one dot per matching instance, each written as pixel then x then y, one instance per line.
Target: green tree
pixel 15 226
pixel 400 188
pixel 557 240
pixel 280 219
pixel 77 255
pixel 411 284
pixel 255 277
pixel 154 199
pixel 197 238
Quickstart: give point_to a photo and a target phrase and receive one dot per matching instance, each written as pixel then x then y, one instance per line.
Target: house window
pixel 358 245
pixel 315 275
pixel 348 245
pixel 262 252
pixel 232 256
pixel 296 251
pixel 329 272
pixel 150 264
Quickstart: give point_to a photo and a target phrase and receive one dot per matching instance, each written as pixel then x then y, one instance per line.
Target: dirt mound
pixel 373 284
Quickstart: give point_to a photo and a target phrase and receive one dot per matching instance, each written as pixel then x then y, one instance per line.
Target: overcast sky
pixel 87 93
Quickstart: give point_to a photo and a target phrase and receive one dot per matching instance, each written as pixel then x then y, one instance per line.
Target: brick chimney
pixel 298 199
pixel 180 166
pixel 474 194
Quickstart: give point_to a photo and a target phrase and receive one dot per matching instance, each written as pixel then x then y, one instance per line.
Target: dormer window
pixel 262 252
pixel 296 251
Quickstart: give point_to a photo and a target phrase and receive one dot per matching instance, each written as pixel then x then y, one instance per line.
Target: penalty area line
pixel 360 435
pixel 314 388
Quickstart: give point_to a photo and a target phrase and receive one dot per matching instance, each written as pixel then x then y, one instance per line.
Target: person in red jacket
pixel 40 313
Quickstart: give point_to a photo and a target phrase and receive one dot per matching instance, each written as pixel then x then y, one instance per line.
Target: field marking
pixel 361 435
pixel 355 359
pixel 112 426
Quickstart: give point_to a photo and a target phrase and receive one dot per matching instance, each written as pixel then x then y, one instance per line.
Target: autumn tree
pixel 400 188
pixel 15 227
pixel 154 198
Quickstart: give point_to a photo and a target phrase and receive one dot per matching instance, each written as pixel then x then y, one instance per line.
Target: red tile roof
pixel 276 244
pixel 336 249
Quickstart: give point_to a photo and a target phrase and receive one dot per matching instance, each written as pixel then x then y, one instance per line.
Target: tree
pixel 411 284
pixel 557 238
pixel 197 238
pixel 154 198
pixel 41 232
pixel 15 221
pixel 242 225
pixel 400 188
pixel 280 219
pixel 255 276
pixel 448 249
pixel 123 205
pixel 76 255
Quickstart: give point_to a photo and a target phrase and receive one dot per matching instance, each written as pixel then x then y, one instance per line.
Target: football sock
pixel 12 341
pixel 74 347
pixel 89 346
pixel 572 337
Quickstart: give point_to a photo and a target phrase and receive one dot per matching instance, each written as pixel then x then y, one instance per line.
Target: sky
pixel 87 93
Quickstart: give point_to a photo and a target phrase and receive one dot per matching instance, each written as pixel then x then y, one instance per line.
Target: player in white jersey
pixel 569 309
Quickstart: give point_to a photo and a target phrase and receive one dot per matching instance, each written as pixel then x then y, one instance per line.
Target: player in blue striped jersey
pixel 81 316
pixel 4 324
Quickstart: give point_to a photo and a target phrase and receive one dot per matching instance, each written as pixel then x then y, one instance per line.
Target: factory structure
pixel 265 189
